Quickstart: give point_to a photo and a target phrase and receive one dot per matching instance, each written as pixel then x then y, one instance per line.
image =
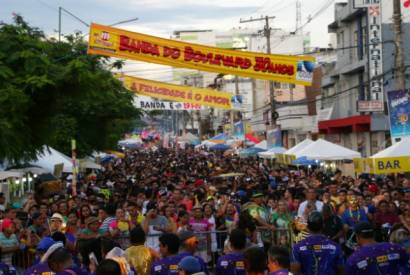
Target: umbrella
pixel 220 147
pixel 229 175
pixel 253 151
pixel 220 138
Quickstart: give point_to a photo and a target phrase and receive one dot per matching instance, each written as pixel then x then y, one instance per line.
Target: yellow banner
pixel 178 93
pixel 389 165
pixel 119 43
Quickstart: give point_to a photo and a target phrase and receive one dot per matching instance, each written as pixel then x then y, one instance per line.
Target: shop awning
pixel 343 125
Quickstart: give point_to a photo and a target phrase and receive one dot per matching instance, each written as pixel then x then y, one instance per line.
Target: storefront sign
pixel 399 111
pixel 165 105
pixel 375 53
pixel 389 165
pixel 115 42
pixel 178 93
pixel 370 106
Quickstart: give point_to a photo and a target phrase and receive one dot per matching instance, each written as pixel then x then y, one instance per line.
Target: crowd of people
pixel 187 212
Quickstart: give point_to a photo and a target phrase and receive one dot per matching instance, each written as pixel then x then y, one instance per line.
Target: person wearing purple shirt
pixel 278 261
pixel 168 265
pixel 316 254
pixel 233 262
pixel 375 258
pixel 189 244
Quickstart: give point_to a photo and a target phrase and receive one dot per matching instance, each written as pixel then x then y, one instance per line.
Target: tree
pixel 52 92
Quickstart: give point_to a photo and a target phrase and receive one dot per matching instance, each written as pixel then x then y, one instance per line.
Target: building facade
pixel 351 115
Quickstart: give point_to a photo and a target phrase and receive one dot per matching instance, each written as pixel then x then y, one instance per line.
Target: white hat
pixel 57 216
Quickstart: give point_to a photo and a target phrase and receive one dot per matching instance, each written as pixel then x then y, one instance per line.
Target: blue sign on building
pixel 399 111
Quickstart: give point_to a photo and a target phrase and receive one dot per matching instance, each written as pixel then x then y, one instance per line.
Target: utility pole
pixel 267 33
pixel 233 111
pixel 398 40
pixel 59 24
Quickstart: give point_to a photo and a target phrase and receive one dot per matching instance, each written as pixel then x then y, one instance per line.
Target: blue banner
pixel 399 110
pixel 274 138
pixel 239 130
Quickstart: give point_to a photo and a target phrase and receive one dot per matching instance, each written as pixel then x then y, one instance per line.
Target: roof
pixel 400 149
pixel 325 150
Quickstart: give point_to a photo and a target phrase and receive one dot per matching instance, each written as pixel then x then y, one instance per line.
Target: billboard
pixel 114 42
pixel 399 111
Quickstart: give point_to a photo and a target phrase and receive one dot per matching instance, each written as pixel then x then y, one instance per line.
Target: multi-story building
pixel 352 103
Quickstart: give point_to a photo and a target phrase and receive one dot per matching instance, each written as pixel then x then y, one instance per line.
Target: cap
pixel 45 244
pixel 315 221
pixel 91 220
pixel 363 227
pixel 190 264
pixel 16 205
pixel 257 195
pixel 209 198
pixel 6 223
pixel 241 193
pixel 57 216
pixel 373 188
pixel 1 194
pixel 185 235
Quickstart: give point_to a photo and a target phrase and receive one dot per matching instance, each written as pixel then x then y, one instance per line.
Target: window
pixel 354 49
pixel 341 40
pixel 364 40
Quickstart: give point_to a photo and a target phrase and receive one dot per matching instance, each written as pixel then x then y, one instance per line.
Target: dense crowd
pixel 188 212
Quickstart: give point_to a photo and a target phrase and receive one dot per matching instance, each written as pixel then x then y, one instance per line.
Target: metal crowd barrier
pixel 24 258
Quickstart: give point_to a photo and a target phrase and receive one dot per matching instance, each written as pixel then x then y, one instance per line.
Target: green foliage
pixel 52 92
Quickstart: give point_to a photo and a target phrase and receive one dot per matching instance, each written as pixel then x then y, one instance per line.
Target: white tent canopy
pixel 89 164
pixel 9 174
pixel 33 170
pixel 50 157
pixel 188 137
pixel 130 141
pixel 271 154
pixel 299 147
pixel 325 150
pixel 400 149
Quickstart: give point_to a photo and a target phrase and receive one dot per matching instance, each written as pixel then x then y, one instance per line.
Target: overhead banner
pixel 398 103
pixel 109 41
pixel 149 104
pixel 178 93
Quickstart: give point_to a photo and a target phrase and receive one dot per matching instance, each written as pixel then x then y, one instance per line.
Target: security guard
pixel 316 254
pixel 372 257
pixel 168 265
pixel 233 263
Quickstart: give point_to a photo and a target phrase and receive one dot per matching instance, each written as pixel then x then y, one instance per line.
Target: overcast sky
pixel 162 17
